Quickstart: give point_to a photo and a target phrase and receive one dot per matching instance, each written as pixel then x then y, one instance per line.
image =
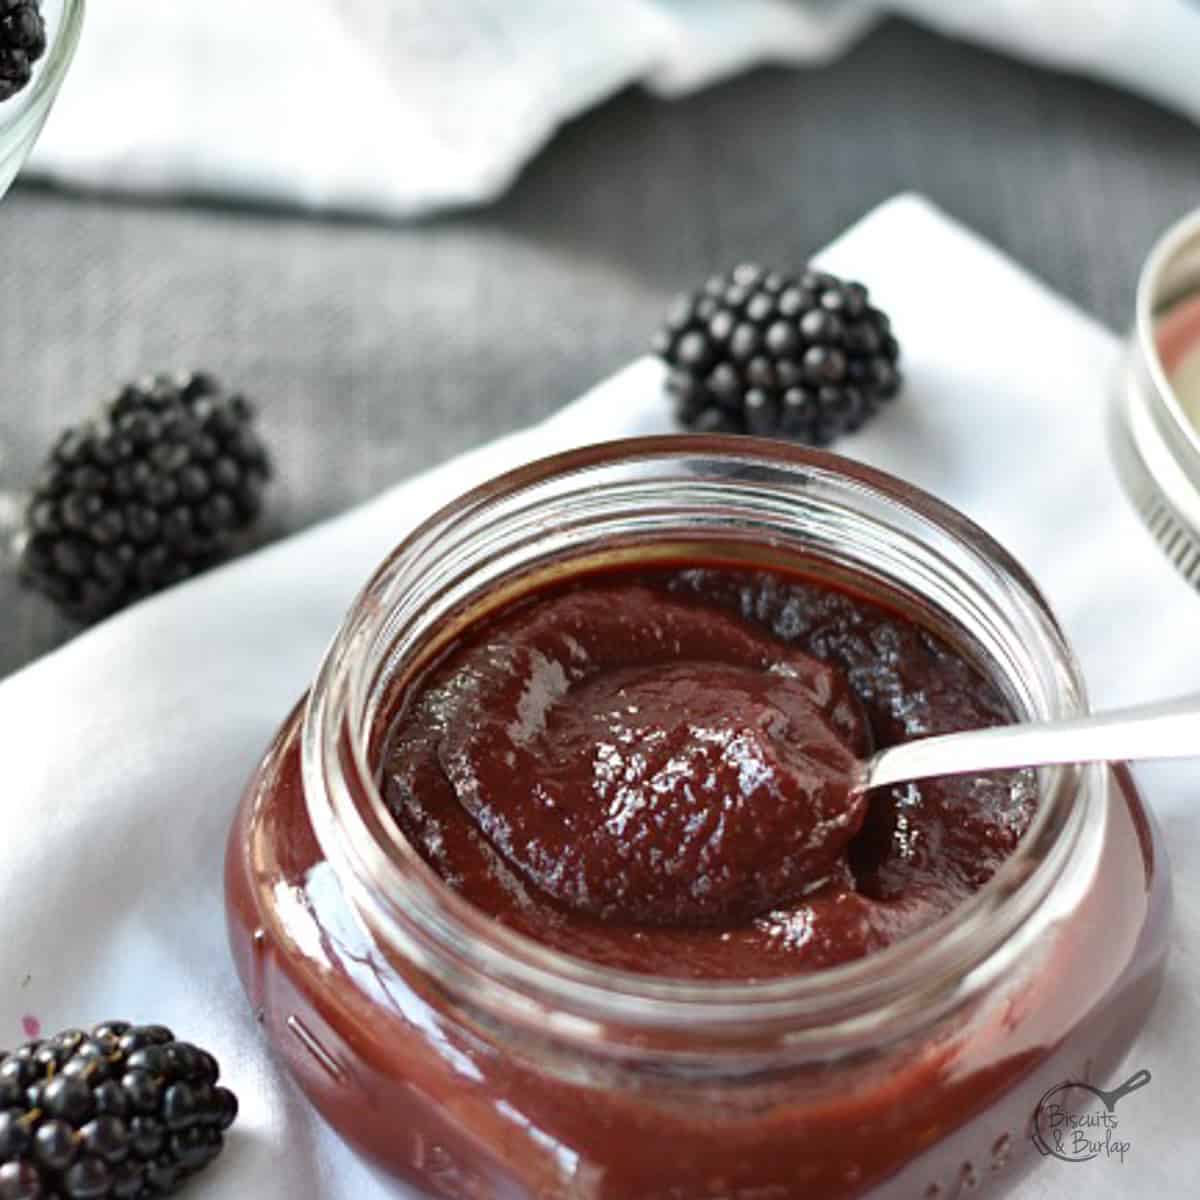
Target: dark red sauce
pixel 798 875
pixel 653 770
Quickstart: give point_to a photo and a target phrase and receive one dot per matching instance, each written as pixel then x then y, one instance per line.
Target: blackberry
pixel 124 1112
pixel 22 43
pixel 157 488
pixel 760 352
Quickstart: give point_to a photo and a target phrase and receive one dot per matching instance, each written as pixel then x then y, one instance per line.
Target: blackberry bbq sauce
pixel 654 771
pixel 557 884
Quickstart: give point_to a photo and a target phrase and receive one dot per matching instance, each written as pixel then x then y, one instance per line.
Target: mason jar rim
pixel 1155 444
pixel 1171 270
pixel 399 896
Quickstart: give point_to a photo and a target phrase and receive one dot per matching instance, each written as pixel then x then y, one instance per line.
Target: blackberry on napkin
pixel 124 1111
pixel 760 352
pixel 156 489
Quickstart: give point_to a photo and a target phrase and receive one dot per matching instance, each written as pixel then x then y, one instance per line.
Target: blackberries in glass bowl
pixel 22 43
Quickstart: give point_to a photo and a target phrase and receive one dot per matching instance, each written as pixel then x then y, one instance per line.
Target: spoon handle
pixel 1165 729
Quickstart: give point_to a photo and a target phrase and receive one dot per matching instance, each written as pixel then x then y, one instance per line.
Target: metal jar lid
pixel 1155 443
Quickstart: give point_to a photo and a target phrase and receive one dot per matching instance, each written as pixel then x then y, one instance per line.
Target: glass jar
pixel 22 116
pixel 474 1062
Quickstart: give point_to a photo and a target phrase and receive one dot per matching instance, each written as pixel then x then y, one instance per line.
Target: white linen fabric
pixel 125 751
pixel 399 107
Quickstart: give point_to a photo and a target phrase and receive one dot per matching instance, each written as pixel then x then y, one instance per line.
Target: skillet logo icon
pixel 1068 1125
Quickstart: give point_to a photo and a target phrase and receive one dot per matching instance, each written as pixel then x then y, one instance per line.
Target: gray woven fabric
pixel 375 350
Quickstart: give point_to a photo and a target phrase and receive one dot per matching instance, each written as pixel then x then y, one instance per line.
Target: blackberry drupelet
pixel 760 352
pixel 157 488
pixel 22 43
pixel 124 1112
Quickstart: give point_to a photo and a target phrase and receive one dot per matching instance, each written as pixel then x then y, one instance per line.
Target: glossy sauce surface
pixel 651 770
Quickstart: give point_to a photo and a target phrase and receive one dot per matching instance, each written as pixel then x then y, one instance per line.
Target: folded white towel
pixel 125 751
pixel 401 107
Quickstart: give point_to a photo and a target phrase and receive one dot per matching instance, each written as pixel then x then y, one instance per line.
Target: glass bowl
pixel 22 117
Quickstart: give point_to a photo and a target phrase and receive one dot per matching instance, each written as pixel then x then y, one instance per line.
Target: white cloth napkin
pixel 125 751
pixel 397 107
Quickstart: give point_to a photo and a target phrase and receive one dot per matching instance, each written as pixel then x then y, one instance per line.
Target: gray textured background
pixel 376 350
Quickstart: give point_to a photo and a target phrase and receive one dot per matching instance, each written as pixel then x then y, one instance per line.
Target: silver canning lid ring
pixel 1155 445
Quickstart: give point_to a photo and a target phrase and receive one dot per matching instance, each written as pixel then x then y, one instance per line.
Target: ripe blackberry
pixel 124 1112
pixel 756 351
pixel 22 43
pixel 154 490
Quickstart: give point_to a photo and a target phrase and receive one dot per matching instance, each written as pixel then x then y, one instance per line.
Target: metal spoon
pixel 1165 729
